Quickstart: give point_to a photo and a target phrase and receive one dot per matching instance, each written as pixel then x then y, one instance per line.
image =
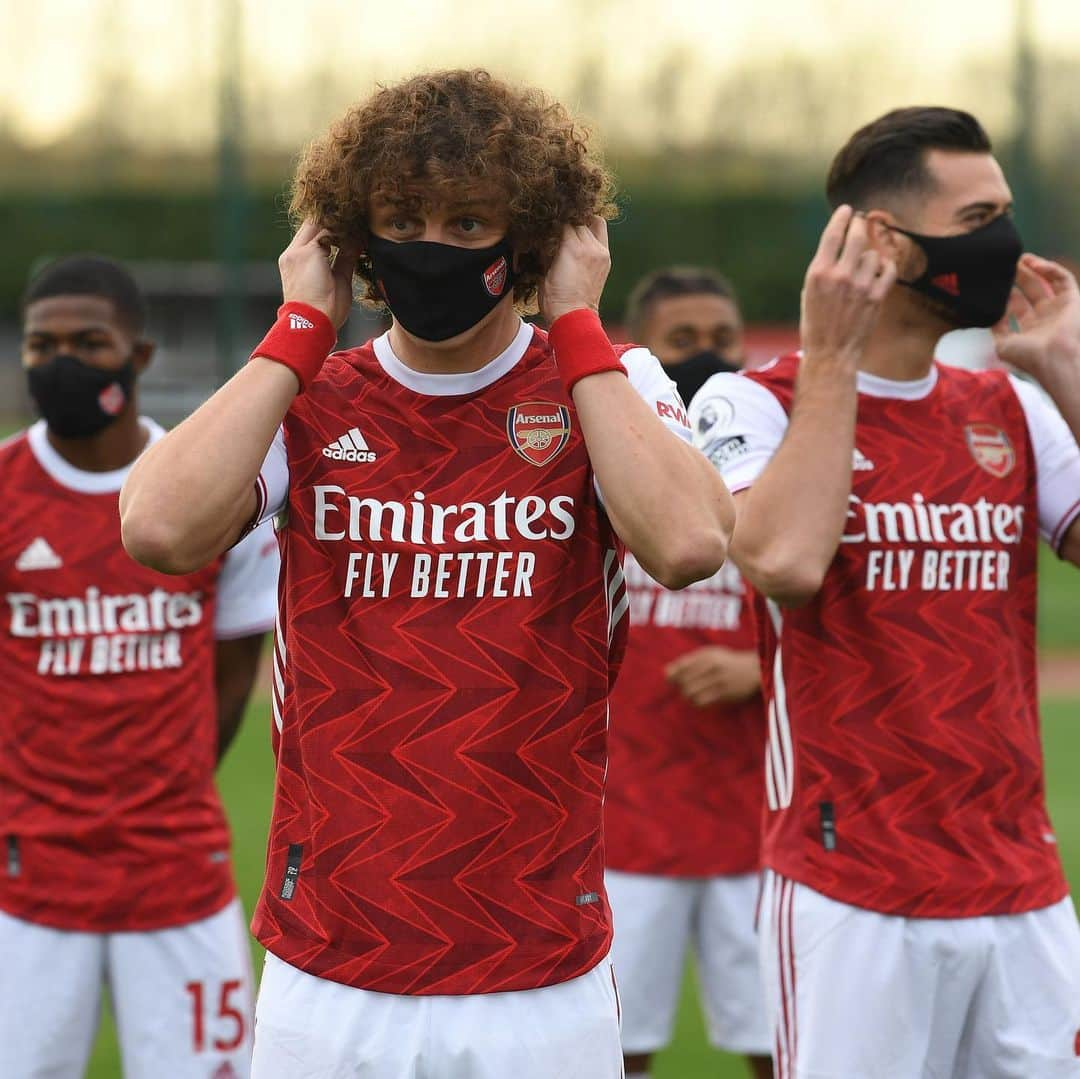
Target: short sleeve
pixel 272 485
pixel 657 390
pixel 247 587
pixel 738 425
pixel 1057 462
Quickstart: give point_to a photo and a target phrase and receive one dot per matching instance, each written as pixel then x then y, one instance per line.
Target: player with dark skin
pixel 125 691
pixel 690 320
pixel 680 327
pixel 91 329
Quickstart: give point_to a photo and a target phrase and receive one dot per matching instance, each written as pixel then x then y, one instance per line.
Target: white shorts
pixel 855 993
pixel 657 919
pixel 182 999
pixel 313 1028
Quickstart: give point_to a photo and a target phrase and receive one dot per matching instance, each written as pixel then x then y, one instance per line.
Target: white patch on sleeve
pixel 657 390
pixel 1057 462
pixel 247 587
pixel 738 425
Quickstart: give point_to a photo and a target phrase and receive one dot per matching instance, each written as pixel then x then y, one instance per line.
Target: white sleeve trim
pixel 1057 461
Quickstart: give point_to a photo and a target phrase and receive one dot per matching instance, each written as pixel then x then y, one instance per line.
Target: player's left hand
pixel 713 674
pixel 577 276
pixel 1045 308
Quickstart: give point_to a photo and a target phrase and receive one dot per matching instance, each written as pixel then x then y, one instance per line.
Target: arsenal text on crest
pixel 538 430
pixel 495 276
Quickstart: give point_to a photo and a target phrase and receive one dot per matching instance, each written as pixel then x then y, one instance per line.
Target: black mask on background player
pixel 77 400
pixel 690 375
pixel 970 275
pixel 437 291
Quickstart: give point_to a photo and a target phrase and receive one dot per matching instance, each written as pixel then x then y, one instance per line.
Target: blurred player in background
pixel 686 780
pixel 915 920
pixel 453 610
pixel 123 688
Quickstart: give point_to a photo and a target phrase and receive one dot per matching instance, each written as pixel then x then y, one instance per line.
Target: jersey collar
pixel 67 475
pixel 455 385
pixel 875 386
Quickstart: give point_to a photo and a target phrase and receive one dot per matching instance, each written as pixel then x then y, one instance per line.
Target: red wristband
pixel 301 339
pixel 581 347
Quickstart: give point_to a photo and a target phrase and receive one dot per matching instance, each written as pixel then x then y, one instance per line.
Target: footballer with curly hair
pixel 453 499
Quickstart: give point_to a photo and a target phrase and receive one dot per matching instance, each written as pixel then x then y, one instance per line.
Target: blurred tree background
pixel 168 131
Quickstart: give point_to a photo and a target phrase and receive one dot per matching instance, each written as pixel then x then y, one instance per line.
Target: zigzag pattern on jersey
pixel 913 713
pixel 441 761
pixel 685 784
pixel 110 815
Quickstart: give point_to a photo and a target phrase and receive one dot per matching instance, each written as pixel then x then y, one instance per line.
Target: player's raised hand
pixel 842 294
pixel 577 276
pixel 1041 329
pixel 309 274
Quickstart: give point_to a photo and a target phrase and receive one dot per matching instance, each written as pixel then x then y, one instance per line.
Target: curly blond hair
pixel 451 132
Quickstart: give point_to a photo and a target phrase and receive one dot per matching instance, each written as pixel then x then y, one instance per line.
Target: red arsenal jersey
pixel 452 617
pixel 685 784
pixel 904 765
pixel 109 818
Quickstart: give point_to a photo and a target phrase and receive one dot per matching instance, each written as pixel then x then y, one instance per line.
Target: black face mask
pixel 77 400
pixel 690 375
pixel 970 275
pixel 437 291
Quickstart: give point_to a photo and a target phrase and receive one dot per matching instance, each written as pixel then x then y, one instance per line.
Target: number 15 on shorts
pixel 226 1025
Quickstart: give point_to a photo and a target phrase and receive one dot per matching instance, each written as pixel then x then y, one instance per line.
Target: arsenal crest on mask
pixel 538 430
pixel 495 276
pixel 437 291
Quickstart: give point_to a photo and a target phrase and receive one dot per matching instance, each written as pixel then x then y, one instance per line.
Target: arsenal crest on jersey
pixel 991 448
pixel 495 276
pixel 538 430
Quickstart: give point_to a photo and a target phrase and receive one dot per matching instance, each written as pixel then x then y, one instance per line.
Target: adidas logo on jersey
pixel 861 463
pixel 350 447
pixel 39 555
pixel 298 322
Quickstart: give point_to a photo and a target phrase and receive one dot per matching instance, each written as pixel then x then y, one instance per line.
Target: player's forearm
pixel 668 505
pixel 230 716
pixel 236 664
pixel 790 522
pixel 189 495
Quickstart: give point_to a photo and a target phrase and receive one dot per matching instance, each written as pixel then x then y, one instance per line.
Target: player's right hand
pixel 308 275
pixel 712 674
pixel 843 291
